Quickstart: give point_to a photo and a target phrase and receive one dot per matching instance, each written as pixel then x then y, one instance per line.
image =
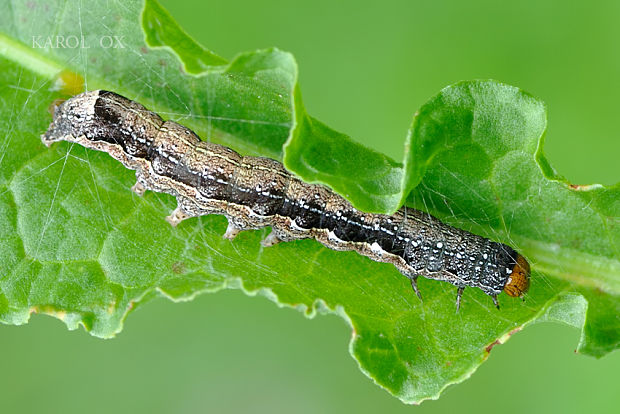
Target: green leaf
pixel 77 244
pixel 162 31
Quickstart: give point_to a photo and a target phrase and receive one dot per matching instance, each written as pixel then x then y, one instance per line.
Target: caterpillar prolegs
pixel 254 192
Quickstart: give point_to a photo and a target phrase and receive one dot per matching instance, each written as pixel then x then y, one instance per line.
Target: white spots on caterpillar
pixel 485 256
pixel 332 237
pixel 439 245
pixel 386 231
pixel 297 228
pixel 376 248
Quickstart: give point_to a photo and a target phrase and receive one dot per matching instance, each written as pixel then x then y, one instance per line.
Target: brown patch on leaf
pixel 502 339
pixel 582 187
pixel 178 268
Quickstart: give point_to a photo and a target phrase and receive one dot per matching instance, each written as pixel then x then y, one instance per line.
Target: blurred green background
pixel 365 67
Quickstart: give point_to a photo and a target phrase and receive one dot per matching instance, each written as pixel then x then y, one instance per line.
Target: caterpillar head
pixel 519 280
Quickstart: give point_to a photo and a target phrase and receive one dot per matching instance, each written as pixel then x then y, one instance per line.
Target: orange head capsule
pixel 519 280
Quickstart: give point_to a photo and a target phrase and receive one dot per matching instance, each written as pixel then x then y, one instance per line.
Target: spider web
pixel 146 80
pixel 83 213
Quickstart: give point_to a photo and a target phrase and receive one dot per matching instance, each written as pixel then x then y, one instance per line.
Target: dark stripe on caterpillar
pixel 254 192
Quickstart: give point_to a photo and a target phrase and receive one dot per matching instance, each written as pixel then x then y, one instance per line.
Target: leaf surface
pixel 79 245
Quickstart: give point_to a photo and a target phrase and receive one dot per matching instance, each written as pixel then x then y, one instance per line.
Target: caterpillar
pixel 254 192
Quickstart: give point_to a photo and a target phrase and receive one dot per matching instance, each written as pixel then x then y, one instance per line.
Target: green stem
pixel 27 57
